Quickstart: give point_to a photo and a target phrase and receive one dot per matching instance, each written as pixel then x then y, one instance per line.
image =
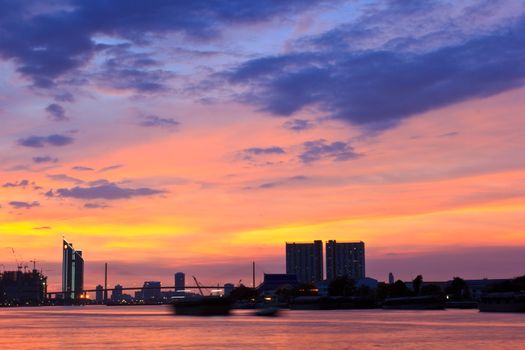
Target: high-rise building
pixel 345 259
pixel 180 284
pixel 99 294
pixel 305 260
pixel 72 272
pixel 116 294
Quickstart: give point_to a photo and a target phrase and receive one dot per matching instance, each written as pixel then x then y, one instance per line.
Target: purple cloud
pixel 279 183
pixel 109 191
pixel 378 87
pixel 320 149
pixel 45 45
pixel 297 124
pixel 264 150
pixel 21 183
pixel 64 178
pixel 56 112
pixel 44 159
pixel 24 205
pixel 95 206
pixel 111 167
pixel 41 141
pixel 82 168
pixel 155 121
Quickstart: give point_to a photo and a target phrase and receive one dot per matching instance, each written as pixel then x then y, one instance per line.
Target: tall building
pixel 99 294
pixel 305 260
pixel 116 294
pixel 345 259
pixel 72 272
pixel 180 283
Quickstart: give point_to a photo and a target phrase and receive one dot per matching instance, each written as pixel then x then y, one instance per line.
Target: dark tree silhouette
pixel 399 289
pixel 514 285
pixel 458 290
pixel 416 284
pixel 341 286
pixel 431 289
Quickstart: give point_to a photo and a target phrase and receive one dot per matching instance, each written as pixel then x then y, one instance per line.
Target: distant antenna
pixel 106 283
pixel 253 275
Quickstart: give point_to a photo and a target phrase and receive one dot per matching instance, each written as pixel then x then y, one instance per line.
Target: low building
pixel 366 282
pixel 273 282
pixel 151 291
pixel 478 287
pixel 228 287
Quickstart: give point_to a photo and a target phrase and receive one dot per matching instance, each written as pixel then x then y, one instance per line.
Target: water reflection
pixel 154 327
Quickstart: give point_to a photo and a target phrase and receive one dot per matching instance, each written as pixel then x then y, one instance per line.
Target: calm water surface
pixel 153 327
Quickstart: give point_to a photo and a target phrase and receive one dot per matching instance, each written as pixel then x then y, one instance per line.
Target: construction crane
pixel 18 265
pixel 198 285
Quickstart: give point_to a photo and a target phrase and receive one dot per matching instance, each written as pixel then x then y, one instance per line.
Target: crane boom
pixel 198 285
pixel 18 265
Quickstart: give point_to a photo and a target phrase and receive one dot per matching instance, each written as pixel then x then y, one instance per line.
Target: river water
pixel 154 327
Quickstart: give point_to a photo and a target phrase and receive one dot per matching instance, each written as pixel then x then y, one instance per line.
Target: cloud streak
pixel 44 159
pixel 156 121
pixel 264 150
pixel 24 205
pixel 109 191
pixel 42 141
pixel 21 183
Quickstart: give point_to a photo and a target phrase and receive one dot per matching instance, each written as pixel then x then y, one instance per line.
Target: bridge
pixel 106 290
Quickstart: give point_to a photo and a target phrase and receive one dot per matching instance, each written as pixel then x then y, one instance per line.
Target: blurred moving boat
pixel 271 311
pixel 430 302
pixel 203 306
pixel 502 302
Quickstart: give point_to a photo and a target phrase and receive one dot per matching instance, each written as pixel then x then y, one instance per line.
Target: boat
pixel 465 304
pixel 502 302
pixel 270 311
pixel 426 302
pixel 331 303
pixel 203 306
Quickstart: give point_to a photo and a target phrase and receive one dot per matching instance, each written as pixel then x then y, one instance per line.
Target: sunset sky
pixel 197 136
